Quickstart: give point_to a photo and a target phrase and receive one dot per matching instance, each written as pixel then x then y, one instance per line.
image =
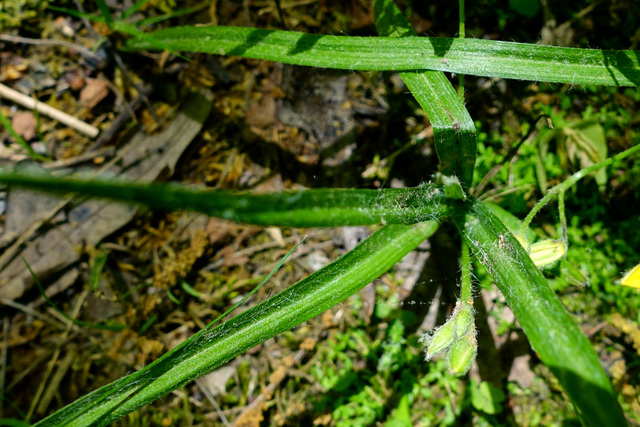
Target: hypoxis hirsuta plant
pixel 410 214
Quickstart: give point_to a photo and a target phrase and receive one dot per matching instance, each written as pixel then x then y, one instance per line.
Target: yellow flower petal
pixel 632 278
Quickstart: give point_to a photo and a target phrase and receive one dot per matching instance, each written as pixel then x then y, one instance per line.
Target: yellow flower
pixel 632 278
pixel 547 252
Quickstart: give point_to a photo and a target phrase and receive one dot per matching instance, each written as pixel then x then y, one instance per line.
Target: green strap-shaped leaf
pixel 311 208
pixel 453 129
pixel 303 301
pixel 455 55
pixel 552 332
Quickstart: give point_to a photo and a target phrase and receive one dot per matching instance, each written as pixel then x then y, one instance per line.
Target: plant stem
pixel 211 348
pixel 563 218
pixel 466 291
pixel 564 186
pixel 461 34
pixel 551 330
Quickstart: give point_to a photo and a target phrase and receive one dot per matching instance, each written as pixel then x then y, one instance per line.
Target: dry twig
pixel 80 49
pixel 64 118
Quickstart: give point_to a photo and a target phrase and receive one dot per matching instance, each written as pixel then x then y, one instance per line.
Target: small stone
pixel 94 92
pixel 24 123
pixel 63 24
pixel 75 80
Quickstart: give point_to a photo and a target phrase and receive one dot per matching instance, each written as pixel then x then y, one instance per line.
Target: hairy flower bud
pixel 462 354
pixel 464 320
pixel 452 187
pixel 441 339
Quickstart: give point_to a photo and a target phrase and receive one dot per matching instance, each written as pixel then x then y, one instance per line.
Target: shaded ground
pixel 265 126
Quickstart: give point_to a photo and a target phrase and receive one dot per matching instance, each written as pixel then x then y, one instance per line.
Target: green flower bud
pixel 452 187
pixel 547 252
pixel 462 354
pixel 441 339
pixel 464 320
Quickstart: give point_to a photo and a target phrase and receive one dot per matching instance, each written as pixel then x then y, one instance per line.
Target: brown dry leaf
pixel 252 417
pixel 629 328
pixel 216 381
pixel 24 123
pixel 308 344
pixel 630 394
pixel 148 302
pixel 102 29
pixel 276 377
pixel 151 349
pixel 75 80
pixel 262 113
pixel 219 230
pixel 328 320
pixel 149 122
pixel 94 92
pixel 122 343
pixel 170 270
pixel 15 69
pixel 323 420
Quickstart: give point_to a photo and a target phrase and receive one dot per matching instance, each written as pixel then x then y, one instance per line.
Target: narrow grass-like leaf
pixel 189 289
pixel 98 261
pixel 133 9
pixel 109 326
pixel 146 325
pixel 311 208
pixel 559 189
pixel 552 332
pixel 212 348
pixel 466 56
pixel 454 131
pixel 120 390
pixel 106 13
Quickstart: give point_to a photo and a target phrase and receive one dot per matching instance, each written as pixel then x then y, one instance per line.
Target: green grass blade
pixel 133 9
pixel 139 34
pixel 311 208
pixel 551 330
pixel 121 389
pixel 106 13
pixel 454 131
pixel 99 260
pixel 466 56
pixel 212 348
pixel 108 326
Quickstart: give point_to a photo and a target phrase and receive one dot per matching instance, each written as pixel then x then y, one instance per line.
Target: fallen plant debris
pixel 279 127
